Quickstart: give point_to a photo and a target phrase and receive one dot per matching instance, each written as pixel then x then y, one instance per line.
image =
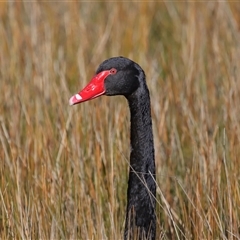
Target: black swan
pixel 122 76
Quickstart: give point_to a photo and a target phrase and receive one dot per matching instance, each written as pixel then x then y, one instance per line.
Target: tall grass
pixel 64 170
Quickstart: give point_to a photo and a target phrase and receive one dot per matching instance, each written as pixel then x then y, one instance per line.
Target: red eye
pixel 113 71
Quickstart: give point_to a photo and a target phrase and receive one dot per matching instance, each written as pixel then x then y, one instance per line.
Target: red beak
pixel 94 89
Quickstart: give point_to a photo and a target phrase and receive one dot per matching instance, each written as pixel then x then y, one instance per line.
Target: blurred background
pixel 64 170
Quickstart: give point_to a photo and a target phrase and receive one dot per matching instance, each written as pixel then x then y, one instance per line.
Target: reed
pixel 63 171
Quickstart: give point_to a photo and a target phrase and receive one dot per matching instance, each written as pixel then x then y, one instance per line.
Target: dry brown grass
pixel 63 171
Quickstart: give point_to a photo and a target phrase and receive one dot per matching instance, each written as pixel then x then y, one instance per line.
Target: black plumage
pixel 125 77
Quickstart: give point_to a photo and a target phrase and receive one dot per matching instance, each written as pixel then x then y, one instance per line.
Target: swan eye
pixel 113 71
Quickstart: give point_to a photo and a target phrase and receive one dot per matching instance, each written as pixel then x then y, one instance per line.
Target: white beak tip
pixel 71 102
pixel 74 99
